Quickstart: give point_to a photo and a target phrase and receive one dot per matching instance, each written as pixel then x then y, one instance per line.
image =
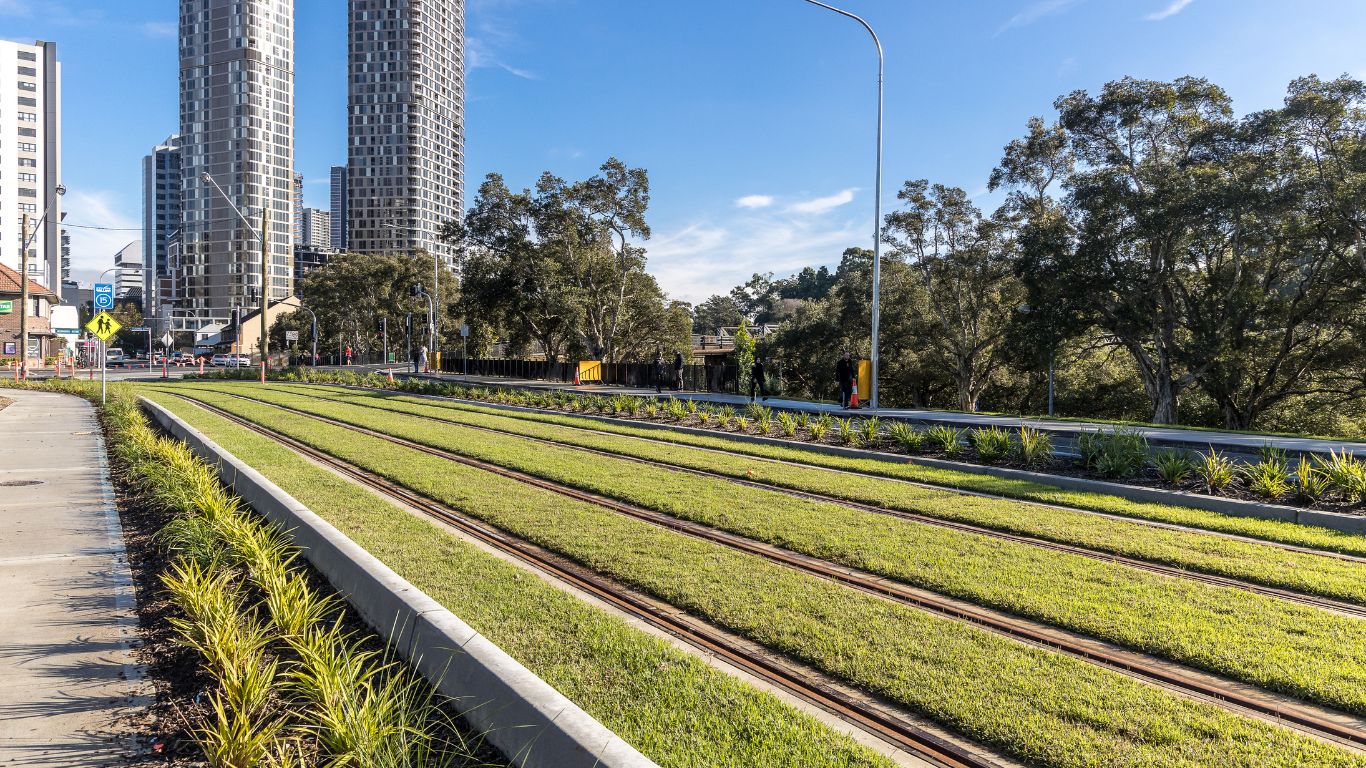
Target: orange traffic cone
pixel 576 378
pixel 391 375
pixel 853 399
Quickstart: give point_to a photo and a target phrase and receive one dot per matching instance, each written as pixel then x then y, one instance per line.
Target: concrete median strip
pixel 529 721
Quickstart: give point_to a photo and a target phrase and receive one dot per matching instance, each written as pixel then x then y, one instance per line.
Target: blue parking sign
pixel 104 296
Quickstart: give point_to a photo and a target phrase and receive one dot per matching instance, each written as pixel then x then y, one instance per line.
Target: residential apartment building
pixel 406 123
pixel 31 157
pixel 317 229
pixel 128 283
pixel 160 220
pixel 297 212
pixel 339 207
pixel 237 124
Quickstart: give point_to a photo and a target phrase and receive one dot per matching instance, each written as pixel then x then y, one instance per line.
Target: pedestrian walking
pixel 421 364
pixel 756 379
pixel 845 373
pixel 348 354
pixel 678 371
pixel 661 373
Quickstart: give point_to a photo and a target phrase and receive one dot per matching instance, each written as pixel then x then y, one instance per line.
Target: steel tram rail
pixel 874 720
pixel 1302 598
pixel 1136 665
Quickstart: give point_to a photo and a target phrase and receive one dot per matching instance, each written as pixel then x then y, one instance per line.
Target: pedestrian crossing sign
pixel 103 325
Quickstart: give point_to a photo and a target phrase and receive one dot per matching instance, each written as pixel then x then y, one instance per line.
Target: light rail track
pixel 1319 723
pixel 863 714
pixel 1316 601
pixel 874 457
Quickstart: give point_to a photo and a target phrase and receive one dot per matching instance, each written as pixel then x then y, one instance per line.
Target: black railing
pixel 712 377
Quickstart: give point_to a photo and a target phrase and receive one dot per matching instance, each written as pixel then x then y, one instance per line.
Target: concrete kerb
pixel 533 725
pixel 1236 507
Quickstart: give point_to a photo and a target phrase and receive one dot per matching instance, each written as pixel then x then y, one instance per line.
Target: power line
pixel 65 225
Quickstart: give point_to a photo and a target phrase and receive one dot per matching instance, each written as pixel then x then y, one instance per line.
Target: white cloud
pixel 160 29
pixel 754 201
pixel 1176 7
pixel 823 204
pixel 1035 12
pixel 15 8
pixel 92 250
pixel 708 257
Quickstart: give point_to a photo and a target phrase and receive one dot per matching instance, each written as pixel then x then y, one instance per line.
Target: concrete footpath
pixel 68 681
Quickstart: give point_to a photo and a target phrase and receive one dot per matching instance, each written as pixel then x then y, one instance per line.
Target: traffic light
pixel 417 290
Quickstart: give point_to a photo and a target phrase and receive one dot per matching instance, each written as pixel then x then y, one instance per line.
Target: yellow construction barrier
pixel 589 370
pixel 865 381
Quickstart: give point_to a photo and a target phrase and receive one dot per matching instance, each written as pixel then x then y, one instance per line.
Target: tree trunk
pixel 1165 401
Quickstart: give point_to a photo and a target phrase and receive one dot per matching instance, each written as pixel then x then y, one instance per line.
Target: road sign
pixel 465 330
pixel 291 335
pixel 6 307
pixel 104 296
pixel 103 325
pixel 168 339
pixel 140 329
pixel 66 331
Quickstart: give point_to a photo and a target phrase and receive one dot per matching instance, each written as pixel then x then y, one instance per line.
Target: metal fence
pixel 712 377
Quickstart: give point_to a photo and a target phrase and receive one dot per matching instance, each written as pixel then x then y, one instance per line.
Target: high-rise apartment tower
pixel 406 123
pixel 31 157
pixel 160 219
pixel 237 124
pixel 339 207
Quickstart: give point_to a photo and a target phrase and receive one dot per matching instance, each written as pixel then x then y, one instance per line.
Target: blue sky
pixel 754 117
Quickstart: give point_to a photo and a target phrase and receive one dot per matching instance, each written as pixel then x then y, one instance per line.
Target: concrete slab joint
pixel 528 720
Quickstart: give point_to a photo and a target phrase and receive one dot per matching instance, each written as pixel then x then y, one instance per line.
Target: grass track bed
pixel 1274 644
pixel 1269 530
pixel 1038 705
pixel 672 707
pixel 1255 563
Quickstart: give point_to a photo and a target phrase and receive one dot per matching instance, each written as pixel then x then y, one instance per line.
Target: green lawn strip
pixel 1261 640
pixel 1257 563
pixel 1038 705
pixel 1270 530
pixel 668 704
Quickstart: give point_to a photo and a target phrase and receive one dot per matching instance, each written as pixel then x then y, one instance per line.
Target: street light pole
pixel 264 237
pixel 314 359
pixel 877 197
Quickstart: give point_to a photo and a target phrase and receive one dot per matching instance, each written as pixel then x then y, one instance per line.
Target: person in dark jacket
pixel 678 371
pixel 661 373
pixel 756 379
pixel 845 373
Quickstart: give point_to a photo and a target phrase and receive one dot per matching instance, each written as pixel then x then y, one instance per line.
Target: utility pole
pixel 265 286
pixel 23 299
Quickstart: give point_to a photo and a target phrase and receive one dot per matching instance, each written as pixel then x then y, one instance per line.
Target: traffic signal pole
pixel 265 286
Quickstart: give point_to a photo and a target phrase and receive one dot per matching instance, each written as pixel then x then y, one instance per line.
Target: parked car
pixel 220 360
pixel 241 360
pixel 114 358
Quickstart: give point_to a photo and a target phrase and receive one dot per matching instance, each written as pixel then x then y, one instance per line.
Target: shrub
pixel 764 421
pixel 1173 466
pixel 1267 478
pixel 742 423
pixel 725 416
pixel 991 443
pixel 1035 447
pixel 820 426
pixel 1216 471
pixel 690 405
pixel 946 439
pixel 803 420
pixel 1345 473
pixel 1114 453
pixel 1311 485
pixel 906 436
pixel 845 431
pixel 868 430
pixel 788 423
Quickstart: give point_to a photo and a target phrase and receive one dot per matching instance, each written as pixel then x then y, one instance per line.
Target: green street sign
pixel 6 307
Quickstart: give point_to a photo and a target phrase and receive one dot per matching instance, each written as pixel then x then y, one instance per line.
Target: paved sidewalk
pixel 67 619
